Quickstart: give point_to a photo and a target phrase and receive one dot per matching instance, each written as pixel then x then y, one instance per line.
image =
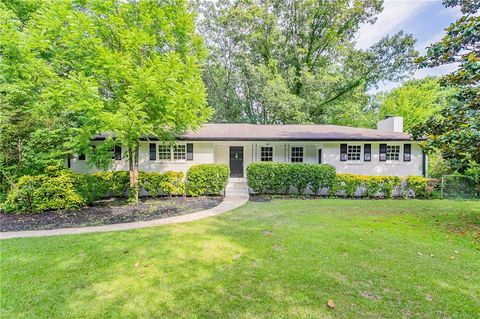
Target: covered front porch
pixel 239 154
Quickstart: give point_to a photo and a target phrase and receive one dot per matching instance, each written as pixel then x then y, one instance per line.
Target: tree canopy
pixel 455 129
pixel 275 61
pixel 415 100
pixel 78 68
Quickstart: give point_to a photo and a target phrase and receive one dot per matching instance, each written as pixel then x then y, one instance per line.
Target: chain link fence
pixel 458 187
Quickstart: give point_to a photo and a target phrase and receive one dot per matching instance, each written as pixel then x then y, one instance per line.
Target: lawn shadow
pixel 275 259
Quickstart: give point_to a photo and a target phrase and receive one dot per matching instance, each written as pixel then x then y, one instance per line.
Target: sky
pixel 425 19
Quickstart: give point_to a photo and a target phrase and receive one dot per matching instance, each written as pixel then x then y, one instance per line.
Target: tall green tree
pixel 455 130
pixel 415 101
pixel 276 61
pixel 125 68
pixel 22 77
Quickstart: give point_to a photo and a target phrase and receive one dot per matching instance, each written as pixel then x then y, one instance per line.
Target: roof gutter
pixel 205 139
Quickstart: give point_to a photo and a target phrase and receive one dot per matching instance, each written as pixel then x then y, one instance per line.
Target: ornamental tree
pixel 455 130
pixel 127 69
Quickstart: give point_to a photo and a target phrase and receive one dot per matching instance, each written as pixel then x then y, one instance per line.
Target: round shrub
pixel 150 182
pixel 34 194
pixel 173 183
pixel 21 198
pixel 422 187
pixel 106 184
pixel 86 186
pixel 100 184
pixel 207 179
pixel 348 183
pixel 322 176
pixel 120 183
pixel 168 183
pixel 56 193
pixel 260 176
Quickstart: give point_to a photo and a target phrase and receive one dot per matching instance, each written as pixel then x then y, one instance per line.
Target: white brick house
pixel 384 151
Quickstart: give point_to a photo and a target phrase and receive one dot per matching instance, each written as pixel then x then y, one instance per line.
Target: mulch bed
pixel 106 212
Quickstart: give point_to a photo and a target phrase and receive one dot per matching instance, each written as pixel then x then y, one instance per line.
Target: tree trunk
pixel 133 170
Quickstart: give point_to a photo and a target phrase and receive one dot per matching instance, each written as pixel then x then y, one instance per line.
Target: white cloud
pixel 398 14
pixel 390 20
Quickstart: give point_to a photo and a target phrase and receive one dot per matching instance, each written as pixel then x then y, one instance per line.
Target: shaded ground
pixel 277 259
pixel 108 212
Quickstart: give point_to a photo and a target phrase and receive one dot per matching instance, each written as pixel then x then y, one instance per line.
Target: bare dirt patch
pixel 106 212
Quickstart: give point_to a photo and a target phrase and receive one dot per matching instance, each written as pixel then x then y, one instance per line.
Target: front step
pixel 236 188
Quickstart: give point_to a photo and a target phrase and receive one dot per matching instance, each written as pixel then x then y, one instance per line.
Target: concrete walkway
pixel 236 194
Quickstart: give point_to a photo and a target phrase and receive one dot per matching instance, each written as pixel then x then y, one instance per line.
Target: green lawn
pixel 280 259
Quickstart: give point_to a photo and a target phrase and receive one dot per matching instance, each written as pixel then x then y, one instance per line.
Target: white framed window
pixel 266 154
pixel 169 152
pixel 296 154
pixel 393 152
pixel 179 152
pixel 354 152
pixel 164 152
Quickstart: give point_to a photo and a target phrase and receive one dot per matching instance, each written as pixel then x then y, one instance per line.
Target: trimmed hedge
pixel 366 186
pixel 281 178
pixel 63 189
pixel 207 179
pixel 352 185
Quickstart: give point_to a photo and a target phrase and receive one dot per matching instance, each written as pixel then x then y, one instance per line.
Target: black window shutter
pixel 189 152
pixel 407 152
pixel 424 164
pixel 319 156
pixel 343 152
pixel 383 152
pixel 153 151
pixel 367 152
pixel 118 152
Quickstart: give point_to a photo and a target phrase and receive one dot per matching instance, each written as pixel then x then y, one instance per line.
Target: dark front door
pixel 236 161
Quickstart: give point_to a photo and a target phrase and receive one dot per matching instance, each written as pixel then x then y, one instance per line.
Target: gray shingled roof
pixel 284 132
